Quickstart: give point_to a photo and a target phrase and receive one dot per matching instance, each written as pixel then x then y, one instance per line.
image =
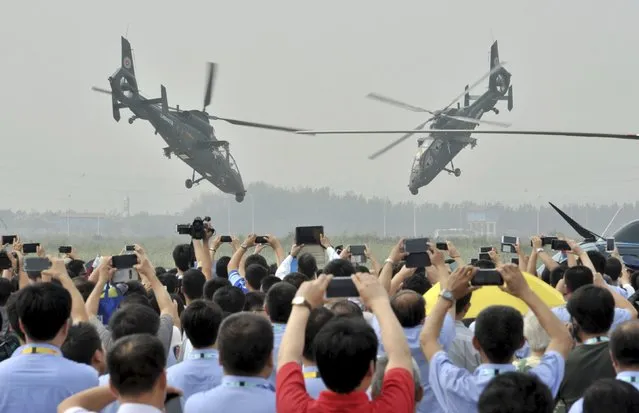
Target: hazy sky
pixel 309 65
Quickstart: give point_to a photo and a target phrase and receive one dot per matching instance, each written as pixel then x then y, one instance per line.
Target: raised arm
pixel 59 271
pixel 276 245
pixel 144 267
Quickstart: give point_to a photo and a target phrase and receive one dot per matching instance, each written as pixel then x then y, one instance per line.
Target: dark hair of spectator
pixel 255 259
pixel 268 282
pixel 254 301
pixel 418 283
pixel 6 288
pixel 339 268
pixel 409 308
pixel 316 320
pixel 254 275
pixel 278 303
pixel 307 265
pixel 81 343
pixel 230 299
pixel 577 276
pixel 593 308
pixel 516 392
pixel 43 309
pixel 245 344
pixel 500 332
pixel 214 284
pixel 135 364
pixel 170 281
pixel 201 321
pixel 193 284
pixel 611 395
pixel 182 255
pixel 624 344
pixel 461 304
pixel 221 267
pixel 613 268
pixel 12 314
pixel 346 308
pixel 134 319
pixel 296 279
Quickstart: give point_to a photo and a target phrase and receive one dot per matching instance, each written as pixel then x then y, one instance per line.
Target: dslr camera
pixel 197 229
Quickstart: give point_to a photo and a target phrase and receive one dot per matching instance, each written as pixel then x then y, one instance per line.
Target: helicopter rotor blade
pixel 397 142
pixel 257 125
pixel 100 90
pixel 477 83
pixel 477 121
pixel 394 102
pixel 209 85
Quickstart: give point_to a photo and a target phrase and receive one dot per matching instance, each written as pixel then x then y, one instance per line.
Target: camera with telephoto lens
pixel 197 229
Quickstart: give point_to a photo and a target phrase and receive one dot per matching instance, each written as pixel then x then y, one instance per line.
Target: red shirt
pixel 397 395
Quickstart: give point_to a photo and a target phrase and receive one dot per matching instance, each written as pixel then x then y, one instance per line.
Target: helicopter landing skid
pixel 453 170
pixel 192 181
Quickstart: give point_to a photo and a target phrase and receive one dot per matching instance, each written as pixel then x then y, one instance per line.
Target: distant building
pixel 482 223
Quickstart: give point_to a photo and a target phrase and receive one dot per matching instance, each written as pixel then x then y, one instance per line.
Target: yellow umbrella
pixel 492 295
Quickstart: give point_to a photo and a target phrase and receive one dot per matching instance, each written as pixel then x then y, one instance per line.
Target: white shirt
pixel 124 408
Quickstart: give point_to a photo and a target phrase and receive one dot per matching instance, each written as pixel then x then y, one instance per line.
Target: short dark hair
pixel 593 308
pixel 170 281
pixel 255 259
pixel 193 284
pixel 12 314
pixel 135 363
pixel 134 319
pixel 231 299
pixel 201 320
pixel 556 275
pixel 6 288
pixel 135 287
pixel 279 302
pixel 254 301
pixel 268 282
pixel 611 395
pixel 613 268
pixel 345 341
pixel 339 268
pixel 307 265
pixel 516 392
pixel 418 283
pixel 254 274
pixel 245 344
pixel 461 304
pixel 598 261
pixel 182 255
pixel 81 343
pixel 214 284
pixel 409 308
pixel 134 299
pixel 624 344
pixel 296 279
pixel 577 276
pixel 500 332
pixel 316 320
pixel 221 266
pixel 76 268
pixel 84 286
pixel 44 309
pixel 346 308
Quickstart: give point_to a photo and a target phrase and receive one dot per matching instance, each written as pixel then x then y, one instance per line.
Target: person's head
pixel 345 353
pixel 170 281
pixel 516 392
pixel 182 255
pixel 611 395
pixel 231 299
pixel 84 286
pixel 178 300
pixel 272 269
pixel 245 345
pixel 316 320
pixel 255 259
pixel 254 275
pixel 307 265
pixel 278 303
pixel 137 366
pixel 598 261
pixel 193 284
pixel 346 308
pixel 135 287
pixel 159 271
pixel 339 268
pixel 613 268
pixel 134 319
pixel 201 321
pixel 409 308
pixel 556 275
pixel 418 283
pixel 214 284
pixel 134 299
pixel 83 345
pixel 254 301
pixel 535 334
pixel 44 312
pixel 592 310
pixel 75 268
pixel 575 277
pixel 268 282
pixel 624 346
pixel 221 267
pixel 6 288
pixel 499 333
pixel 12 314
pixel 296 279
pixel 378 379
pixel 462 306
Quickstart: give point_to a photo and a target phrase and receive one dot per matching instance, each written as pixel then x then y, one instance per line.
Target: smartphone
pixel 610 244
pixel 443 246
pixel 417 260
pixel 559 245
pixel 545 241
pixel 487 277
pixel 416 245
pixel 484 256
pixel 226 238
pixel 124 261
pixel 130 248
pixel 473 261
pixel 173 403
pixel 508 248
pixel 65 249
pixel 308 235
pixel 5 262
pixel 514 260
pixel 8 239
pixel 123 275
pixel 509 240
pixel 30 248
pixel 341 287
pixel 35 265
pixel 358 250
pixel 262 239
pixel 485 249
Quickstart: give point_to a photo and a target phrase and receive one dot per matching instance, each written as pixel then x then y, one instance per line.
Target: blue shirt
pixel 630 376
pixel 621 315
pixel 37 383
pixel 238 281
pixel 314 384
pixel 235 394
pixel 458 391
pixel 278 333
pixel 446 337
pixel 200 371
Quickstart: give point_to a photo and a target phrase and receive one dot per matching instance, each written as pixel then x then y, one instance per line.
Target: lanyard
pixel 40 350
pixel 595 340
pixel 266 386
pixel 312 375
pixel 629 379
pixel 202 356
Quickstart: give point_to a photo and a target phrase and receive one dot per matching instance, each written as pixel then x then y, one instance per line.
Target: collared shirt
pixel 458 390
pixel 278 333
pixel 38 382
pixel 629 376
pixel 314 383
pixel 462 352
pixel 238 281
pixel 446 336
pixel 621 315
pixel 235 394
pixel 200 371
pixel 397 395
pixel 125 408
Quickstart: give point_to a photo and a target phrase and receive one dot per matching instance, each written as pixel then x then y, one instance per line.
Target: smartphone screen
pixel 417 260
pixel 610 244
pixel 35 265
pixel 358 250
pixel 509 240
pixel 65 249
pixel 484 256
pixel 487 277
pixel 485 249
pixel 508 248
pixel 8 239
pixel 443 246
pixel 559 245
pixel 308 235
pixel 261 239
pixel 30 248
pixel 341 287
pixel 124 261
pixel 226 238
pixel 129 248
pixel 416 245
pixel 514 260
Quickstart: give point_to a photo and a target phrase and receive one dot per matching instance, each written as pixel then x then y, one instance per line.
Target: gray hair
pixel 535 334
pixel 378 377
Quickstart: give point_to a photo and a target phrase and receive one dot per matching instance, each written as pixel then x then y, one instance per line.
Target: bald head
pixel 409 308
pixel 624 346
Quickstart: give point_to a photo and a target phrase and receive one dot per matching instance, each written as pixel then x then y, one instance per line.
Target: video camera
pixel 197 229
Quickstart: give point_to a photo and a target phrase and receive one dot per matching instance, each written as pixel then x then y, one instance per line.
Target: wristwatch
pixel 447 295
pixel 540 250
pixel 299 300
